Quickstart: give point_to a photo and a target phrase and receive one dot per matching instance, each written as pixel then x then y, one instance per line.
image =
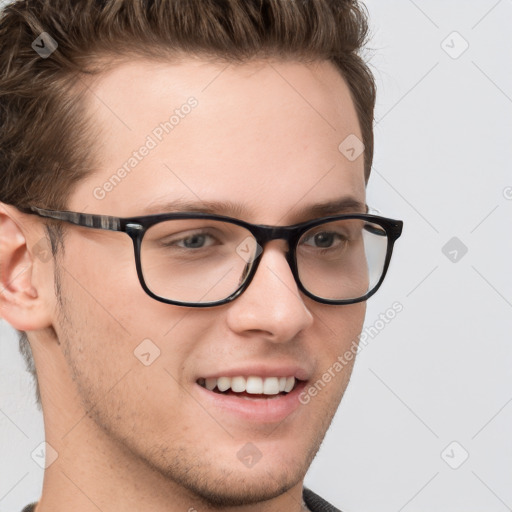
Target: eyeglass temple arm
pixel 86 220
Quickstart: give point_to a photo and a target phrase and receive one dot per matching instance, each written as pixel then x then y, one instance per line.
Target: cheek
pixel 341 327
pixel 128 374
pixel 335 347
pixel 111 328
pixel 107 294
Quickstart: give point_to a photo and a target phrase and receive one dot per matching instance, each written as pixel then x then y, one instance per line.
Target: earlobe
pixel 21 304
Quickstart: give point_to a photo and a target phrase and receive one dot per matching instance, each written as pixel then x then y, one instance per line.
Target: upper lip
pixel 262 370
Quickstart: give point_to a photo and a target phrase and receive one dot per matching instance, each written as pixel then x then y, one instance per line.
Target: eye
pixel 324 239
pixel 198 240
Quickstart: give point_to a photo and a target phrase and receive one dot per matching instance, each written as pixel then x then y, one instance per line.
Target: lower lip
pixel 259 410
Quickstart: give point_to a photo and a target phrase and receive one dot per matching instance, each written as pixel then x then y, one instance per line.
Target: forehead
pixel 263 133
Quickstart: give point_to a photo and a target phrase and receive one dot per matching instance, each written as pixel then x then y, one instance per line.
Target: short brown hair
pixel 45 134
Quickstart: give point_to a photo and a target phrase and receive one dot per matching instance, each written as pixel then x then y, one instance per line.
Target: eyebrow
pixel 239 210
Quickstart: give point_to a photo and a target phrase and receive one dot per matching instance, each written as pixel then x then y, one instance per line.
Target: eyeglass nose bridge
pixel 265 234
pixel 251 266
pixel 268 233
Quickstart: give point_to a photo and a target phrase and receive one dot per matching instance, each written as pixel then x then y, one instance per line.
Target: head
pixel 245 102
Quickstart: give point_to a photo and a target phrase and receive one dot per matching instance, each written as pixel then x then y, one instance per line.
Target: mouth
pixel 251 399
pixel 251 387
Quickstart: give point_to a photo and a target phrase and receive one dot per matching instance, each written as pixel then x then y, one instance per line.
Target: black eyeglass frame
pixel 136 227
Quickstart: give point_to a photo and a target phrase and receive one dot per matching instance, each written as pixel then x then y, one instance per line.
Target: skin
pixel 132 437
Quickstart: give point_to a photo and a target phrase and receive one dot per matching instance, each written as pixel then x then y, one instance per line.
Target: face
pixel 262 135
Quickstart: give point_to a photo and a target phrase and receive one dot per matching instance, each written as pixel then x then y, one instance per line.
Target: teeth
pixel 271 386
pixel 238 384
pixel 290 382
pixel 223 383
pixel 252 385
pixel 211 383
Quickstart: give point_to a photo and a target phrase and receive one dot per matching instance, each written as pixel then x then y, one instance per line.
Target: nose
pixel 272 305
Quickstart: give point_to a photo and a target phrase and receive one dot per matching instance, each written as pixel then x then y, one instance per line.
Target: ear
pixel 24 281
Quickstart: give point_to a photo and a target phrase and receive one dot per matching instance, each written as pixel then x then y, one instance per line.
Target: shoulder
pixel 317 504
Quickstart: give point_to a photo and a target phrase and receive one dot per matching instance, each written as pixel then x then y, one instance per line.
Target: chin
pixel 228 482
pixel 218 481
pixel 235 489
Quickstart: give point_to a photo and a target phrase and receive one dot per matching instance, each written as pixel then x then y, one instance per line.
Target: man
pixel 185 242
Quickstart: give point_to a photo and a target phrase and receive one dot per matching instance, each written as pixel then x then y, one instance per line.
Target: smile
pixel 251 385
pixel 251 399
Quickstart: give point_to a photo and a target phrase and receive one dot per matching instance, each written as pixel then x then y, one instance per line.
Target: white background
pixel 440 372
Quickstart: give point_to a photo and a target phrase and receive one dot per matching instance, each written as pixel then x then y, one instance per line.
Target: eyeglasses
pixel 202 260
